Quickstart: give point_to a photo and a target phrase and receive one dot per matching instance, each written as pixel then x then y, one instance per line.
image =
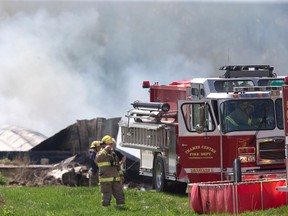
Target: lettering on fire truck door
pixel 199 138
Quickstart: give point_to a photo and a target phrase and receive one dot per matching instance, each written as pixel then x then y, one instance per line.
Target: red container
pixel 236 198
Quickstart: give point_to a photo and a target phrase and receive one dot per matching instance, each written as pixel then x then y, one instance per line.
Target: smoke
pixel 63 61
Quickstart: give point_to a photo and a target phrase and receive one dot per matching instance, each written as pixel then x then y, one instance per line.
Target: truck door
pixel 198 144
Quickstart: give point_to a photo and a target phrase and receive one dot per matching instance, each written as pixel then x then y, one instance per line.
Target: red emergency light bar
pixel 146 84
pixel 257 88
pixel 236 95
pixel 258 91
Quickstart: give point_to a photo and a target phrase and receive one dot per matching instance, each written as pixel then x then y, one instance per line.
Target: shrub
pixel 3 180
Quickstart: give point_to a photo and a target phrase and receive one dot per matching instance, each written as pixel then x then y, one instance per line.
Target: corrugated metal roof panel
pixel 14 138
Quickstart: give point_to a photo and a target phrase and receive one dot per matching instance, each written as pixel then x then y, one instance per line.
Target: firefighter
pixel 110 174
pixel 241 116
pixel 94 169
pixel 92 156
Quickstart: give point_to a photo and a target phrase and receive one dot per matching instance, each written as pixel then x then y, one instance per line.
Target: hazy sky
pixel 63 61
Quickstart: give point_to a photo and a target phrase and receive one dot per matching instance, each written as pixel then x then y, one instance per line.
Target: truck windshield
pixel 244 115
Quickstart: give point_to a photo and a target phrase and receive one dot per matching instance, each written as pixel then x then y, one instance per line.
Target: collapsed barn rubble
pixel 74 139
pixel 62 158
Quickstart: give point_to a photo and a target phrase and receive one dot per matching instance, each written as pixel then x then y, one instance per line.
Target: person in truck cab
pixel 241 116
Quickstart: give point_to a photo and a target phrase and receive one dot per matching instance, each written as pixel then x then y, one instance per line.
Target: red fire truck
pixel 188 133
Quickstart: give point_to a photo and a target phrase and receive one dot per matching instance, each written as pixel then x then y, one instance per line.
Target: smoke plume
pixel 63 61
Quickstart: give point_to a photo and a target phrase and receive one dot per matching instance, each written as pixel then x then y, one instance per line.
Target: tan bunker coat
pixel 110 175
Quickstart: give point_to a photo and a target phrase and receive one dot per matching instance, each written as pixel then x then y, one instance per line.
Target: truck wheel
pixel 159 174
pixel 180 188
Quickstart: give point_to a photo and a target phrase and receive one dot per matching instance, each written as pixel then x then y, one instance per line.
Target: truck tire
pixel 159 181
pixel 180 188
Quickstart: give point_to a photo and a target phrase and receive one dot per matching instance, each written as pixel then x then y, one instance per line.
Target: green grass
pixel 61 200
pixel 77 201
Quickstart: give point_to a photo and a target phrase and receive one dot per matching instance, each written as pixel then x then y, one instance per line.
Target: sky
pixel 63 61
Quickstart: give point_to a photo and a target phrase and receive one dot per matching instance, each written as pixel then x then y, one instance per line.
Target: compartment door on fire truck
pixel 199 141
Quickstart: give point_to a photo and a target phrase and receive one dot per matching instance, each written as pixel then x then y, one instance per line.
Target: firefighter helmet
pixel 95 144
pixel 107 140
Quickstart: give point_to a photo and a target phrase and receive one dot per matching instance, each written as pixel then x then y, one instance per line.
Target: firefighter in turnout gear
pixel 110 174
pixel 241 116
pixel 92 156
pixel 94 169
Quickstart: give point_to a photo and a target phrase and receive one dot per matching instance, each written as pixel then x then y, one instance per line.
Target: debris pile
pixel 70 172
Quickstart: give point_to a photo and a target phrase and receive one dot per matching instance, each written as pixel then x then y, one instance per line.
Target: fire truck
pixel 187 131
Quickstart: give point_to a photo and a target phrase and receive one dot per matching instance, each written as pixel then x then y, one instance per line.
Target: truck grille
pixel 270 151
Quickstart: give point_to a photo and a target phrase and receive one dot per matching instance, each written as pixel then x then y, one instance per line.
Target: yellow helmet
pixel 107 140
pixel 95 144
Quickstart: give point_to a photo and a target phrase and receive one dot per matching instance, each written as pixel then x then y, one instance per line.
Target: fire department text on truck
pixel 200 155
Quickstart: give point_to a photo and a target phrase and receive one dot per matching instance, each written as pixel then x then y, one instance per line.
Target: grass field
pixel 61 200
pixel 76 201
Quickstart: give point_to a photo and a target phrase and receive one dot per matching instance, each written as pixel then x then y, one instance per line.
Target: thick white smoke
pixel 63 61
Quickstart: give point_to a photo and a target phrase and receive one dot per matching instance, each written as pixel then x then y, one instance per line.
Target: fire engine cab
pixel 194 130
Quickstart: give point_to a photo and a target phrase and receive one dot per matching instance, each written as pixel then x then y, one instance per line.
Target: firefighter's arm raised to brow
pixel 102 155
